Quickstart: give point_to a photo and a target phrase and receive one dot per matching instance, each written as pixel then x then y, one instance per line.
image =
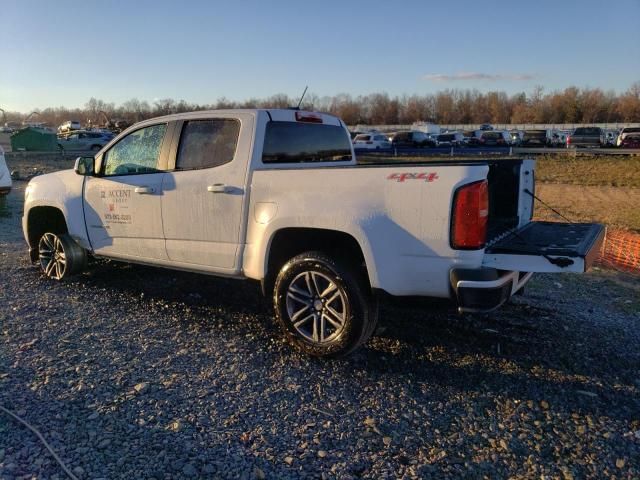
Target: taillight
pixel 470 214
pixel 569 140
pixel 308 117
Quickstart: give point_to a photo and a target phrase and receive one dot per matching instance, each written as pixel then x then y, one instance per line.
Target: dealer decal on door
pixel 115 201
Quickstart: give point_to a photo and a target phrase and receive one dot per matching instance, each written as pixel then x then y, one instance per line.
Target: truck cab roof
pixel 273 114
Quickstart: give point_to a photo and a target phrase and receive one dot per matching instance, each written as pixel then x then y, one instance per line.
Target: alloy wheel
pixel 53 259
pixel 316 306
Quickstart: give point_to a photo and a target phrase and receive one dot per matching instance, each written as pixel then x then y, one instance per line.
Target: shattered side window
pixel 136 153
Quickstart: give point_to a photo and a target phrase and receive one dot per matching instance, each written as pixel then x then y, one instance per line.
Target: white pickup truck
pixel 277 196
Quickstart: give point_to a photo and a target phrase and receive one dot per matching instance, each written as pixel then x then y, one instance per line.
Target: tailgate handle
pixel 143 190
pixel 562 262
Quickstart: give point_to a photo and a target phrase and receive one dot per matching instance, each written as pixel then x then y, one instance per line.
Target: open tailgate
pixel 547 247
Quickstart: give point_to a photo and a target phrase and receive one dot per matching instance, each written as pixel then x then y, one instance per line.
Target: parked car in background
pixel 624 132
pixel 610 138
pixel 486 127
pixel 450 139
pixel 631 141
pixel 375 141
pixel 411 139
pixel 534 138
pixel 586 137
pixel 69 125
pixel 102 131
pixel 429 128
pixel 5 129
pixel 516 137
pixel 491 138
pixel 84 140
pixel 5 176
pixel 557 139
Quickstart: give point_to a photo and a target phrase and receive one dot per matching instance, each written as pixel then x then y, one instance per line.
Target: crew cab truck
pixel 586 137
pixel 277 196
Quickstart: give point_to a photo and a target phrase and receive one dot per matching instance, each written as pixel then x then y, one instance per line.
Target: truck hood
pixel 56 186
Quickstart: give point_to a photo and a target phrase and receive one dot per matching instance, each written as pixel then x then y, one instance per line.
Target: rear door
pixel 122 204
pixel 204 193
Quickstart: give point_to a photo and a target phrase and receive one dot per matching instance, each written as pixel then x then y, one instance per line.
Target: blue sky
pixel 64 52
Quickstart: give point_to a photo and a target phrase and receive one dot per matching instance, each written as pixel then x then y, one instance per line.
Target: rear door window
pixel 207 143
pixel 297 142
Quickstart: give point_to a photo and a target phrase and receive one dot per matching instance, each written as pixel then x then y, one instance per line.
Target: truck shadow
pixel 526 348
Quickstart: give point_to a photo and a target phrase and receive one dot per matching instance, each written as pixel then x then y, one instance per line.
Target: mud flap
pixel 547 247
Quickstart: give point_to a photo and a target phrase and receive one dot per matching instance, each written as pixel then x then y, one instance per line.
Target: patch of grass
pixel 612 171
pixel 612 206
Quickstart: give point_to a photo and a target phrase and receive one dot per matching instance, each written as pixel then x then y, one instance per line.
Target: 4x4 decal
pixel 401 177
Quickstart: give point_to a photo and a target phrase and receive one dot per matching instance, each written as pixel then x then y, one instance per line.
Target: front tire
pixel 323 305
pixel 59 256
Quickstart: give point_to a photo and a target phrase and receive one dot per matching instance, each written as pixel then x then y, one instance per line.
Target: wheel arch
pixel 42 219
pixel 288 242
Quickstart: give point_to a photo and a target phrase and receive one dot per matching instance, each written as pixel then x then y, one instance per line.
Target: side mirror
pixel 85 166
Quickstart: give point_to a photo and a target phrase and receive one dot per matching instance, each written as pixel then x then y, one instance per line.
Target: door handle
pixel 218 188
pixel 143 190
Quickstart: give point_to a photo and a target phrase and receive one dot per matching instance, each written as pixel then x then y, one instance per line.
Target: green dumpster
pixel 34 139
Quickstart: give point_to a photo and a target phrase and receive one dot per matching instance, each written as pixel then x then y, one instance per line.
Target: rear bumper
pixel 485 289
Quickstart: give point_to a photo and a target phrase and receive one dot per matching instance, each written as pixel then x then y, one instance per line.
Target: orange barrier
pixel 621 251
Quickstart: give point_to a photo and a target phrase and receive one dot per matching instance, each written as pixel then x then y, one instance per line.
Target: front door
pixel 203 197
pixel 122 204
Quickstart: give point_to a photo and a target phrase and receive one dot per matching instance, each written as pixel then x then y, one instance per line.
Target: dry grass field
pixel 609 171
pixel 616 207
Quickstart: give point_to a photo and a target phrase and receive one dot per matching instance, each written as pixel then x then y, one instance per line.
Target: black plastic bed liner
pixel 550 238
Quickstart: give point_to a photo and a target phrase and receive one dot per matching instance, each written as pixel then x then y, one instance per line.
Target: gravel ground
pixel 135 372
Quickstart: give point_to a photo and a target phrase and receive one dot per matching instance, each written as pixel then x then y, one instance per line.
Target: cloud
pixel 472 76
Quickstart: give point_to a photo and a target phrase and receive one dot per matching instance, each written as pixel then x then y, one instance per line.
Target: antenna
pixel 300 102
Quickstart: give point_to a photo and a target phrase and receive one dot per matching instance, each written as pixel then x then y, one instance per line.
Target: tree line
pixel 451 106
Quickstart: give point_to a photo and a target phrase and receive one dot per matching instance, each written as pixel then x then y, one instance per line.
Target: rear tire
pixel 323 305
pixel 59 256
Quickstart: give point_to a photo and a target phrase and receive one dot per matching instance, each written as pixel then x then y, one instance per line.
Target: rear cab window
pixel 300 142
pixel 587 131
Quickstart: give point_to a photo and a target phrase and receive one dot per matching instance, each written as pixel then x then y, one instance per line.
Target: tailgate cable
pixel 561 262
pixel 526 190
